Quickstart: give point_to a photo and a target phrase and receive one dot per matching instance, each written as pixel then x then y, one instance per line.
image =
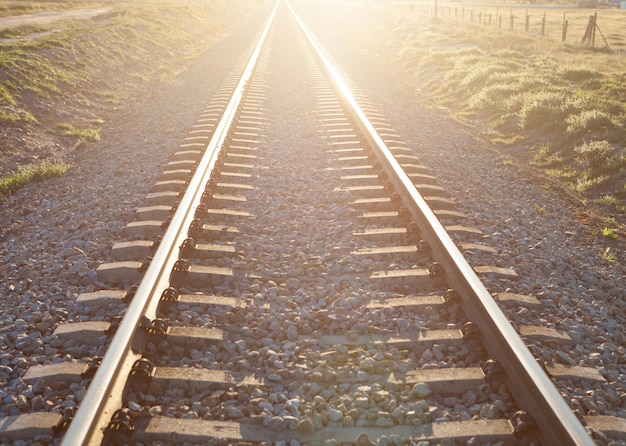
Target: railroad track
pixel 297 281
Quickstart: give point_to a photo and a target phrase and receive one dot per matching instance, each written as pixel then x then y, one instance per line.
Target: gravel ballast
pixel 54 234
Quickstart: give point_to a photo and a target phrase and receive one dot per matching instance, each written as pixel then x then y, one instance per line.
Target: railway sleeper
pixel 359 152
pixel 145 229
pixel 173 174
pixel 345 138
pixel 244 152
pixel 160 212
pixel 163 198
pixel 205 130
pixel 121 297
pixel 180 430
pixel 339 145
pixel 406 252
pixel 222 201
pixel 234 186
pixel 420 178
pixel 134 249
pixel 354 160
pixel 169 186
pixel 189 152
pixel 102 298
pixel 369 191
pixel 383 234
pixel 375 204
pixel 239 167
pixel 232 176
pixel 182 164
pixel 416 169
pixel 28 426
pixel 234 157
pixel 127 271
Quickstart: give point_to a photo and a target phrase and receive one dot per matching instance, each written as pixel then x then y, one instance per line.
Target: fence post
pixel 590 32
pixel 527 26
pixel 593 33
pixel 564 35
pixel 543 24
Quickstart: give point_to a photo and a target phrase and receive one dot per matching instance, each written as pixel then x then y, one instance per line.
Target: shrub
pixel 595 154
pixel 492 98
pixel 586 182
pixel 590 122
pixel 545 157
pixel 481 74
pixel 543 111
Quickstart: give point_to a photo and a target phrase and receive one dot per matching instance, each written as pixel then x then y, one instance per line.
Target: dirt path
pixel 43 18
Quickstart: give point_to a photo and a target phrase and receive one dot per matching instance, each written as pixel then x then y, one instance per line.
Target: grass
pixel 90 135
pixel 15 7
pixel 608 256
pixel 38 172
pixel 609 233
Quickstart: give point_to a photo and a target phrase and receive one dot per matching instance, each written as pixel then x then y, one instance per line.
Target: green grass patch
pixel 24 176
pixel 15 117
pixel 608 256
pixel 5 96
pixel 90 135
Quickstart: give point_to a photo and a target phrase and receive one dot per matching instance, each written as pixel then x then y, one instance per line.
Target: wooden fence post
pixel 527 26
pixel 593 33
pixel 590 32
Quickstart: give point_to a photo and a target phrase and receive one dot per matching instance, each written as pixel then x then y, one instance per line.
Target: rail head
pixel 526 380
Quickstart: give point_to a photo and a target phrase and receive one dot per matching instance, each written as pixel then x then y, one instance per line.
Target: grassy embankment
pixel 565 103
pixel 60 78
pixel 560 106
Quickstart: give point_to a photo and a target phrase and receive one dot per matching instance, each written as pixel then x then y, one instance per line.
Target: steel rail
pixel 105 391
pixel 526 380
